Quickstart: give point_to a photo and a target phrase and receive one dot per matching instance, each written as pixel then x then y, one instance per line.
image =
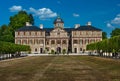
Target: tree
pixel 107 45
pixel 104 35
pixel 115 32
pixel 6 34
pixel 2 29
pixel 7 47
pixel 7 38
pixel 20 19
pixel 31 19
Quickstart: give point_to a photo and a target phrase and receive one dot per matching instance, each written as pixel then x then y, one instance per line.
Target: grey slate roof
pixel 29 28
pixel 88 28
pixel 81 28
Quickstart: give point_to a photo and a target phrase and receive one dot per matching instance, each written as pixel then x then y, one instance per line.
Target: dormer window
pixel 18 33
pixel 24 33
pixel 58 20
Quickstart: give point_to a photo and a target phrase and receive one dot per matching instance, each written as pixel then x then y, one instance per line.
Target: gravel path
pixel 57 68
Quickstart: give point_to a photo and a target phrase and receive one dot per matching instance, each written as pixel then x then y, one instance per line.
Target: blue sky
pixel 104 14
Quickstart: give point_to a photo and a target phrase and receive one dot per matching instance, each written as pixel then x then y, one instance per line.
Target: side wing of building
pixel 84 35
pixel 32 36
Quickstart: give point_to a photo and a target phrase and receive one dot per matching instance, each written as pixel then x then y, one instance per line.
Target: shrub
pixel 64 51
pixel 52 51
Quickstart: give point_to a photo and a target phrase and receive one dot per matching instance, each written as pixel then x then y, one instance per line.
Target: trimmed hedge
pixel 7 47
pixel 107 45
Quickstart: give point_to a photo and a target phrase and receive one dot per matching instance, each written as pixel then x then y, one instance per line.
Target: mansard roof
pixel 81 28
pixel 29 28
pixel 88 28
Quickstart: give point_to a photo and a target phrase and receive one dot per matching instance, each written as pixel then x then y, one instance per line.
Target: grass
pixel 60 68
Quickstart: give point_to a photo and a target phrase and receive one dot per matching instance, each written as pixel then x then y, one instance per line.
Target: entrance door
pixel 58 50
pixel 41 50
pixel 80 49
pixel 75 49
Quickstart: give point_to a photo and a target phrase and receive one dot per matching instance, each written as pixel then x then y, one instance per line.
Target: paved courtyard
pixel 60 68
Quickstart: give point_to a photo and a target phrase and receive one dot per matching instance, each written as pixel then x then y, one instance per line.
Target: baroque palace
pixel 44 40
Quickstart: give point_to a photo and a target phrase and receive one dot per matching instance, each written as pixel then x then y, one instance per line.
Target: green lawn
pixel 60 68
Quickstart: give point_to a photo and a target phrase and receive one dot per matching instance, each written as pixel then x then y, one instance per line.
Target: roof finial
pixel 58 15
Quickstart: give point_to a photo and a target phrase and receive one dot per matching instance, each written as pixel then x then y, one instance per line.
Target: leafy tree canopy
pixel 104 35
pixel 6 34
pixel 20 19
pixel 115 32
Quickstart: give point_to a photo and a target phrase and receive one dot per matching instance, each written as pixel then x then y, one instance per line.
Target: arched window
pixel 80 49
pixel 35 49
pixel 18 33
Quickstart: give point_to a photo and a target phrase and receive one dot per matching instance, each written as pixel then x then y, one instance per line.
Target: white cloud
pixel 76 15
pixel 43 13
pixel 115 22
pixel 15 8
pixel 109 25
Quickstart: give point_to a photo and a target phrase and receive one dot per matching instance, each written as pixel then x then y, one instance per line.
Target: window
pixel 58 24
pixel 80 32
pixel 64 42
pixel 47 42
pixel 81 41
pixel 58 41
pixel 24 41
pixel 92 41
pixel 18 33
pixel 19 42
pixel 86 41
pixel 41 33
pixel 87 32
pixel 30 42
pixel 36 41
pixel 29 33
pixel 53 42
pixel 41 41
pixel 80 49
pixel 35 33
pixel 35 49
pixel 75 41
pixel 23 33
pixel 74 33
pixel 58 33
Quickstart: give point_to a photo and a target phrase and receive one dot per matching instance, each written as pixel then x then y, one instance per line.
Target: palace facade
pixel 57 39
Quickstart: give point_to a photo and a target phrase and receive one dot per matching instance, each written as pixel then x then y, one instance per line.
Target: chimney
pixel 28 24
pixel 41 26
pixel 89 23
pixel 77 26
